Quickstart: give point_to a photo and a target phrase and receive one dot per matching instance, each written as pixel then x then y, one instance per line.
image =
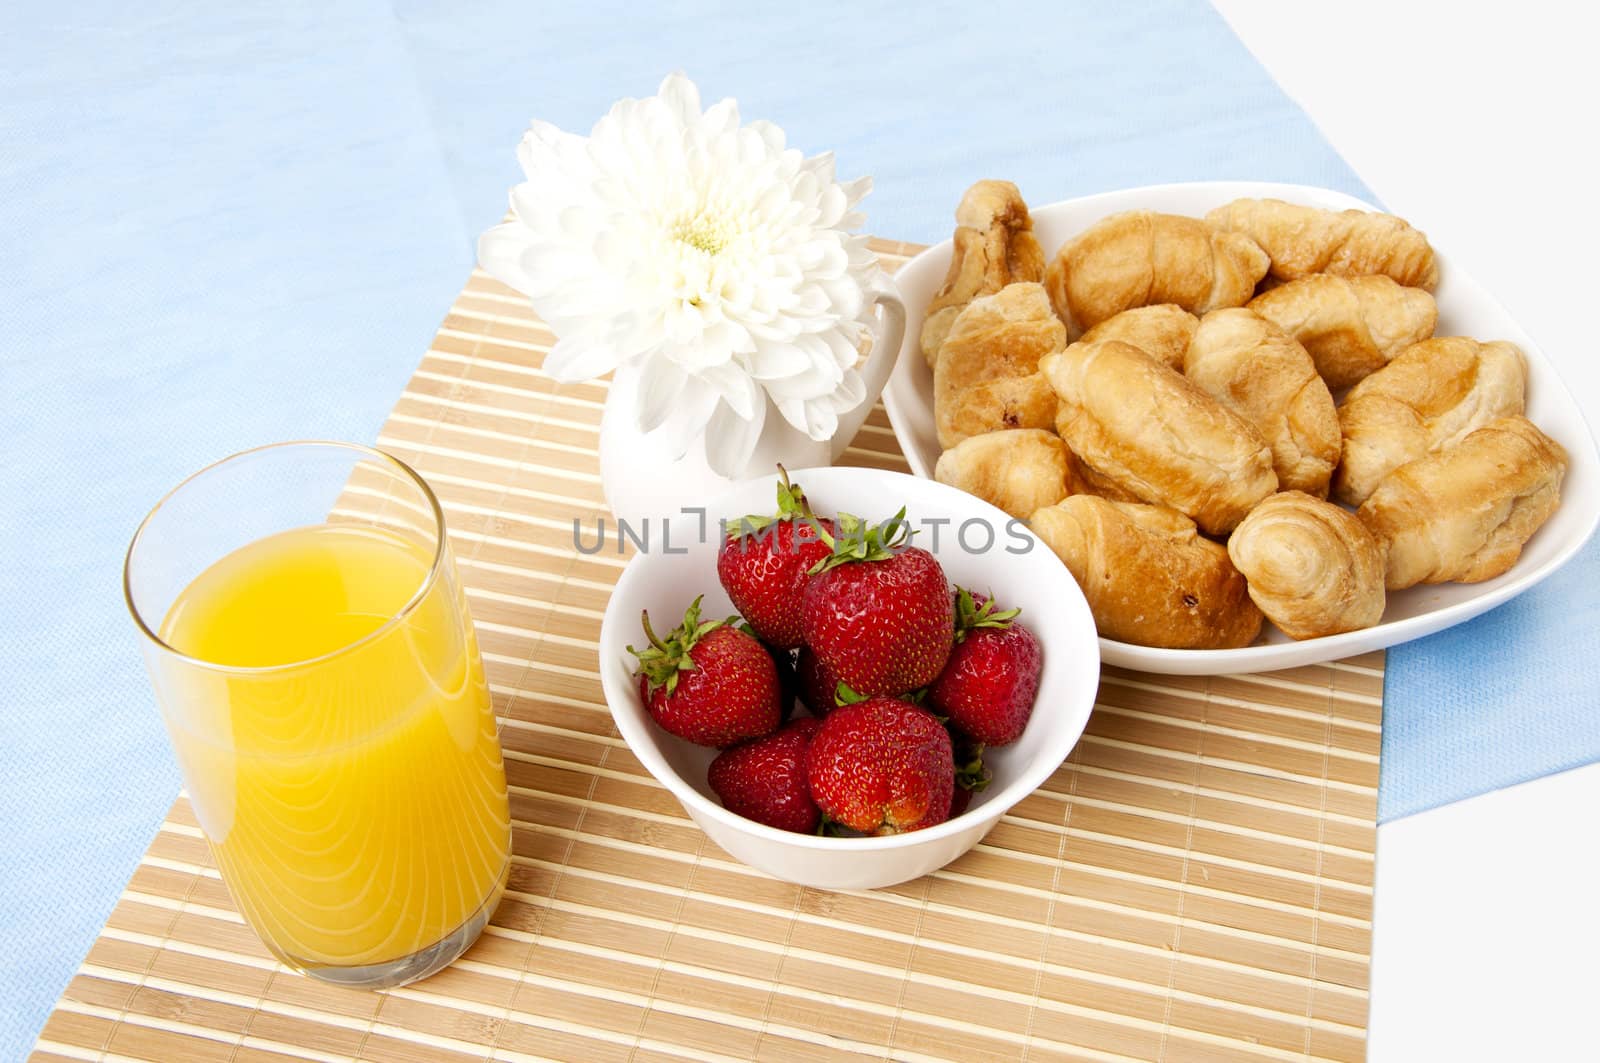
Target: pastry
pixel 1351 326
pixel 1264 376
pixel 1312 568
pixel 1083 479
pixel 1156 435
pixel 987 376
pixel 1349 243
pixel 1162 331
pixel 994 247
pixel 1429 397
pixel 1149 576
pixel 1465 511
pixel 1140 258
pixel 1019 470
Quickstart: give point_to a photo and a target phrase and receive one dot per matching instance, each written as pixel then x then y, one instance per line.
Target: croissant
pixel 1150 578
pixel 1084 479
pixel 1305 240
pixel 1162 331
pixel 1465 511
pixel 1019 470
pixel 994 247
pixel 1312 568
pixel 1140 257
pixel 1429 397
pixel 1156 435
pixel 987 376
pixel 1351 326
pixel 1267 378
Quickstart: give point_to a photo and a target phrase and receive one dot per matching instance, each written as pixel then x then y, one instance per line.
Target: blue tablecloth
pixel 227 227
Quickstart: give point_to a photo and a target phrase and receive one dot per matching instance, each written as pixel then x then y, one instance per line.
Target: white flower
pixel 726 266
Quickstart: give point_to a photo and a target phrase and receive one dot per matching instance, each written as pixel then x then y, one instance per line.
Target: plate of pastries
pixel 1262 425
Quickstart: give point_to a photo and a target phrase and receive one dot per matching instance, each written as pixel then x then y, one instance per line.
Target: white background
pixel 1476 122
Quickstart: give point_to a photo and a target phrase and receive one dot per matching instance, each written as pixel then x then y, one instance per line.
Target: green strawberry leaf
pixel 843 695
pixel 971 772
pixel 792 505
pixel 664 659
pixel 970 616
pixel 855 540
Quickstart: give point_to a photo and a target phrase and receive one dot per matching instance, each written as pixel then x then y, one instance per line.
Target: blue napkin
pixel 1508 697
pixel 1065 99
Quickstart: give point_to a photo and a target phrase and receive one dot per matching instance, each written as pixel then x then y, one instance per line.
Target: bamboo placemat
pixel 1195 883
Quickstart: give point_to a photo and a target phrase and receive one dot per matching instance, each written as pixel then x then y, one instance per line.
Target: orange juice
pixel 339 744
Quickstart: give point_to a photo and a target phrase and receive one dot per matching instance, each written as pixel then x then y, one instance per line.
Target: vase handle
pixel 886 343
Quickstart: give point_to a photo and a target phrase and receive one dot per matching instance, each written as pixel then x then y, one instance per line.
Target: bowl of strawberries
pixel 847 686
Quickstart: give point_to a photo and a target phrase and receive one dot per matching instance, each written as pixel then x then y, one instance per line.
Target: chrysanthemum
pixel 724 265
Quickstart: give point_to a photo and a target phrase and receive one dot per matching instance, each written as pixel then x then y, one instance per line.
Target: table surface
pixel 195 190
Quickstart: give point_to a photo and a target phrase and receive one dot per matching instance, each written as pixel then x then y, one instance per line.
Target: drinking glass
pixel 316 667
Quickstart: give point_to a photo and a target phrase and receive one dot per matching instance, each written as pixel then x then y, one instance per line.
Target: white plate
pixel 1465 309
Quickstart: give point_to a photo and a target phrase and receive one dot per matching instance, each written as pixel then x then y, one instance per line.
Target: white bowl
pixel 1465 309
pixel 1052 607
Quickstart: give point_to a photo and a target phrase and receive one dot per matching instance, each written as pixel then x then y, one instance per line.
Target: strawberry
pixel 881 766
pixel 819 687
pixel 765 779
pixel 708 682
pixel 788 679
pixel 878 613
pixel 765 561
pixel 988 686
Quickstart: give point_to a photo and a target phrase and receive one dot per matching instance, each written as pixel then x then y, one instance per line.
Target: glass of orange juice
pixel 317 670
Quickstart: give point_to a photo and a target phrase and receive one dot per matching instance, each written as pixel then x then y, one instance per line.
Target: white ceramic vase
pixel 645 485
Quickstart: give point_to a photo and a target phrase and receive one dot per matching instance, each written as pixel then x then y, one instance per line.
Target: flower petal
pixel 851 392
pixel 500 254
pixel 681 95
pixel 660 385
pixel 688 419
pixel 857 190
pixel 735 387
pixel 821 422
pixel 731 438
pixel 721 117
pixel 575 358
pixel 775 361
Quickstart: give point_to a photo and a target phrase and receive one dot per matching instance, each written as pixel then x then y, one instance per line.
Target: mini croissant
pixel 1312 568
pixel 1351 326
pixel 987 376
pixel 1267 378
pixel 1149 576
pixel 1019 470
pixel 1464 512
pixel 1140 258
pixel 1083 479
pixel 1428 398
pixel 1349 243
pixel 994 247
pixel 1162 331
pixel 1156 435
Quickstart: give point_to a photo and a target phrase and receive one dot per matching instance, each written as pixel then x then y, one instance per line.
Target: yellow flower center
pixel 703 233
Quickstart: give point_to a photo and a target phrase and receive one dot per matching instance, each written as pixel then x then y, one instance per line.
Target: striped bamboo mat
pixel 1195 883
